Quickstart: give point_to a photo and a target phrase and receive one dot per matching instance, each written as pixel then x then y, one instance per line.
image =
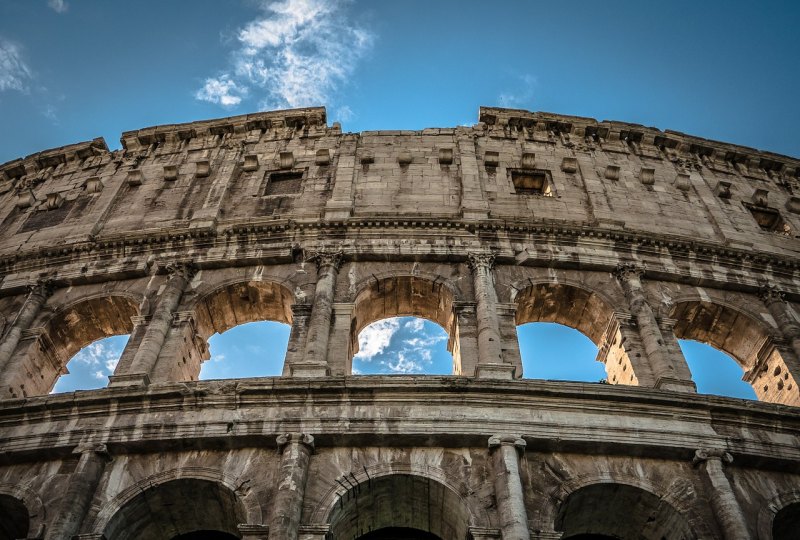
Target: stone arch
pixel 606 505
pixel 750 342
pixel 787 501
pixel 21 513
pixel 377 486
pixel 231 304
pixel 198 484
pixel 65 332
pixel 592 313
pixel 404 296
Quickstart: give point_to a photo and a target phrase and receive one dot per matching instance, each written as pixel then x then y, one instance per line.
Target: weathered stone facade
pixel 634 236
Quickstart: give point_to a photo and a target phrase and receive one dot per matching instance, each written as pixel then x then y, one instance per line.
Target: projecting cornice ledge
pixel 425 410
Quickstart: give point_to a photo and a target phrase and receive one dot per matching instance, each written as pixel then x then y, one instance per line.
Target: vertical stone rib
pixel 723 501
pixel 147 354
pixel 320 322
pixel 661 362
pixel 78 496
pixel 36 298
pixel 508 486
pixel 296 450
pixel 776 304
pixel 489 351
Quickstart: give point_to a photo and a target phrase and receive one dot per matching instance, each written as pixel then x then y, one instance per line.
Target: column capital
pixel 464 307
pixel 253 532
pixel 770 294
pixel 181 269
pixel 626 271
pixel 485 533
pixel 326 258
pixel 99 449
pixel 285 439
pixel 707 454
pixel 477 260
pixel 496 441
pixel 42 287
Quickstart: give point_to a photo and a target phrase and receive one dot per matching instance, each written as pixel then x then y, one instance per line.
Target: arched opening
pixel 179 509
pixel 715 372
pixel 255 349
pixel 622 512
pixel 246 326
pixel 582 325
pixel 65 334
pixel 403 345
pixel 786 523
pixel 14 518
pixel 389 303
pixel 398 504
pixel 398 533
pixel 91 366
pixel 745 340
pixel 556 352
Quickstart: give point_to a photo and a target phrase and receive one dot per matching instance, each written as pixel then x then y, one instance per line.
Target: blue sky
pixel 72 70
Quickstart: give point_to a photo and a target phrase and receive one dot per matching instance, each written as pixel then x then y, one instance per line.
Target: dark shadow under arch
pixel 401 501
pixel 786 524
pixel 620 511
pixel 14 518
pixel 177 508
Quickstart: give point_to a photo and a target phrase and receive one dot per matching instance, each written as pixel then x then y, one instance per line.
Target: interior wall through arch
pixel 588 313
pixel 745 340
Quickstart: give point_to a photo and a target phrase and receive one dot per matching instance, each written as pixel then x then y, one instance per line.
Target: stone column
pixel 157 329
pixel 723 501
pixel 77 497
pixel 670 370
pixel 505 452
pixel 490 357
pixel 296 350
pixel 775 301
pixel 296 449
pixel 37 296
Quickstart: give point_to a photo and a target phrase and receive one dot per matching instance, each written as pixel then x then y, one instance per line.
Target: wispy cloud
pixel 59 6
pixel 14 72
pixel 296 54
pixel 521 95
pixel 376 338
pixel 101 357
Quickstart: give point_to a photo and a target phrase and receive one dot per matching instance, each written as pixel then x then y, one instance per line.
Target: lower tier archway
pixel 388 507
pixel 184 509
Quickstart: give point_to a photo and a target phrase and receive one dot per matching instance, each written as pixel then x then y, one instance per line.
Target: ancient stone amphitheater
pixel 634 236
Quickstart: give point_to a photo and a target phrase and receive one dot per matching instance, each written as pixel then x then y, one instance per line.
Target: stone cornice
pixel 531 408
pixel 51 157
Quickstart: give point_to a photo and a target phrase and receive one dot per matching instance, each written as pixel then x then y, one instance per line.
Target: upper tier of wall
pixel 512 169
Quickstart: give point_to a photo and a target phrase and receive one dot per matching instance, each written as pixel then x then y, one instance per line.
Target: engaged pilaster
pixel 490 357
pixel 80 490
pixel 505 452
pixel 296 450
pixel 296 349
pixel 38 294
pixel 669 368
pixel 157 329
pixel 723 501
pixel 315 363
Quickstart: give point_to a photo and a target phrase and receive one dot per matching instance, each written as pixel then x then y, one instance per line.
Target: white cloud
pixel 222 91
pixel 415 325
pixel 404 365
pixel 101 356
pixel 522 96
pixel 14 72
pixel 375 338
pixel 59 6
pixel 296 54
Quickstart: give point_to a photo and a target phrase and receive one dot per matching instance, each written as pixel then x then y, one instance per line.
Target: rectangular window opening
pixel 284 183
pixel 770 220
pixel 532 182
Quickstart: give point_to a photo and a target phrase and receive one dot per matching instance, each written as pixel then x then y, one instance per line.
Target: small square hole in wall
pixel 770 220
pixel 532 182
pixel 284 183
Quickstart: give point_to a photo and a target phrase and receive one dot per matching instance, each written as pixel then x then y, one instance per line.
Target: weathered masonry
pixel 636 237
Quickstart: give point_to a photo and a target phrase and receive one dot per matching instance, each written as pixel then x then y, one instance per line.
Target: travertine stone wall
pixel 634 236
